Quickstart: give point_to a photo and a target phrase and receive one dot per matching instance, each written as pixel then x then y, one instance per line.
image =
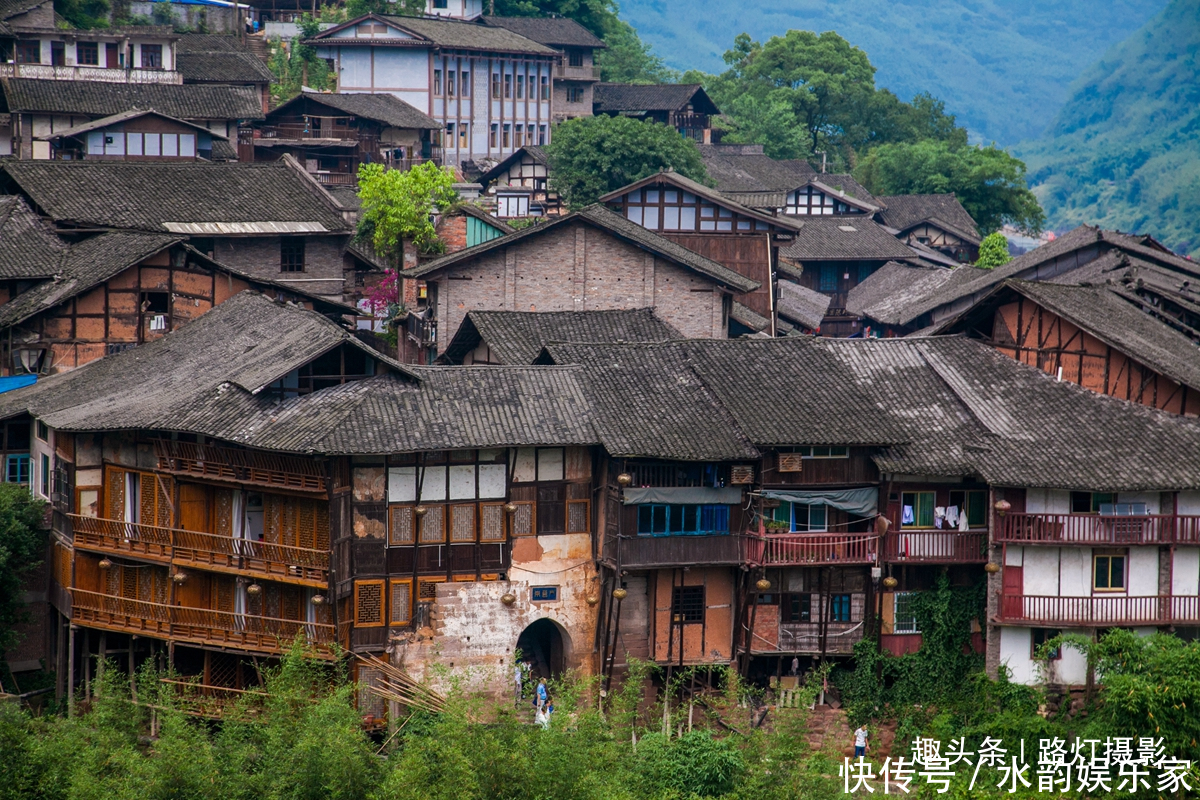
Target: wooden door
pixel 110 55
pixel 1014 588
pixel 195 508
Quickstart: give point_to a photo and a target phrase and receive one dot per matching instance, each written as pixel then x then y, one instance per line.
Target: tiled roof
pixel 673 178
pixel 217 58
pixel 888 293
pixel 202 378
pixel 740 170
pixel 440 32
pixel 906 210
pixel 605 219
pixel 150 195
pixel 843 238
pixel 802 305
pixel 28 247
pixel 634 97
pixel 385 108
pixel 534 152
pixel 100 99
pixel 552 31
pixel 518 337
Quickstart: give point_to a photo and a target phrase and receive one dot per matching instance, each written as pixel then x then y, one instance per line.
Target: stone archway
pixel 547 646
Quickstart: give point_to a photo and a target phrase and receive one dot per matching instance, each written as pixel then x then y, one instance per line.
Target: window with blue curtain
pixel 829 278
pixel 656 519
pixel 839 608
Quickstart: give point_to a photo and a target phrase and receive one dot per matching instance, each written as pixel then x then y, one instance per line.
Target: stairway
pixel 256 43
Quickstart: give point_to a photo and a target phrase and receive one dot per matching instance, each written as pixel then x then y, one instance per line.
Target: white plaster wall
pixel 1075 572
pixel 1014 556
pixel 1047 501
pixel 1143 571
pixel 1041 571
pixel 1016 653
pixel 1188 503
pixel 1185 573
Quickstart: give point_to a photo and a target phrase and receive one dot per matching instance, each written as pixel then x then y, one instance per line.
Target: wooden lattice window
pixel 401 602
pixel 151 504
pixel 225 590
pixel 427 589
pixel 402 527
pixel 62 565
pixel 224 500
pixel 368 701
pixel 433 525
pixel 523 519
pixel 462 523
pixel 579 508
pixel 368 603
pixel 491 522
pixel 296 521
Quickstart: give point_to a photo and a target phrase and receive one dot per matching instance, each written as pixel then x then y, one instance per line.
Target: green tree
pixel 591 156
pixel 83 14
pixel 598 16
pixel 22 546
pixel 988 181
pixel 396 8
pixel 627 59
pixel 993 251
pixel 397 205
pixel 296 64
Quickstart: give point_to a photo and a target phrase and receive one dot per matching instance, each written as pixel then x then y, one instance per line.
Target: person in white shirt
pixel 860 741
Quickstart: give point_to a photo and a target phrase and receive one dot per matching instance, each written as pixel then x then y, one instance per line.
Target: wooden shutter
pixel 741 474
pixel 579 507
pixel 401 602
pixel 433 525
pixel 427 589
pixel 491 522
pixel 368 604
pixel 402 525
pixel 462 523
pixel 551 510
pixel 791 462
pixel 524 518
pixel 224 513
pixel 114 493
pixel 225 590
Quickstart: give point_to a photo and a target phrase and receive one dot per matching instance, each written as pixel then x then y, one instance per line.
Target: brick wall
pixel 259 256
pixel 577 268
pixel 453 231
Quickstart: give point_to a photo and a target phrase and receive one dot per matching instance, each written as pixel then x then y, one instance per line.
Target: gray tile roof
pixel 749 318
pixel 802 305
pixel 889 292
pixel 518 337
pixel 906 210
pixel 100 99
pixel 202 378
pixel 216 58
pixel 785 223
pixel 440 32
pixel 385 108
pixel 738 170
pixel 843 238
pixel 533 151
pixel 28 247
pixel 607 220
pixel 552 31
pixel 635 97
pixel 148 195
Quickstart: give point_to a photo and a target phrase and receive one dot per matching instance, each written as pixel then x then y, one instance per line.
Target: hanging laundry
pixel 962 522
pixel 906 516
pixel 939 516
pixel 952 516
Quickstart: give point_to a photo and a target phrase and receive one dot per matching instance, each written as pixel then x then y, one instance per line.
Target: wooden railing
pixel 213 702
pixel 203 550
pixel 240 466
pixel 935 547
pixel 645 552
pixel 798 549
pixel 1136 529
pixel 1100 610
pixel 197 625
pixel 299 131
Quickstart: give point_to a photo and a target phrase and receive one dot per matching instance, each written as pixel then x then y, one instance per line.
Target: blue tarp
pixel 16 382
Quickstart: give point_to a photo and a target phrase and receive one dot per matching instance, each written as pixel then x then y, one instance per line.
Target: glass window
pixel 682 520
pixel 916 509
pixel 291 254
pixel 507 86
pixel 494 136
pixel 44 478
pixel 29 52
pixel 464 135
pixel 187 145
pixel 87 54
pixel 16 469
pixel 796 608
pixel 904 620
pixel 1039 637
pixel 839 610
pixel 520 87
pixel 545 89
pixel 1109 572
pixel 829 278
pixel 152 56
pixel 973 504
pixel 687 604
pixel 495 85
pixel 464 80
pixel 1090 502
pixel 451 79
pixel 437 81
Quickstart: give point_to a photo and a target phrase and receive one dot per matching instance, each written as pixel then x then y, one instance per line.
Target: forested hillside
pixel 1124 152
pixel 1002 66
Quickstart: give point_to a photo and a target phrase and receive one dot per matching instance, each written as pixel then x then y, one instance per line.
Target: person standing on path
pixel 542 694
pixel 517 678
pixel 860 741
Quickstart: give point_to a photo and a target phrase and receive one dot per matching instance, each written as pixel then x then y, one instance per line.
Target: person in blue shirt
pixel 542 694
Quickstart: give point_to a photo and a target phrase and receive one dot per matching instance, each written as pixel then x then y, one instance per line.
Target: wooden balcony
pixel 935 547
pixel 216 463
pixel 1094 529
pixel 213 702
pixel 208 551
pixel 812 549
pixel 197 625
pixel 1099 610
pixel 650 552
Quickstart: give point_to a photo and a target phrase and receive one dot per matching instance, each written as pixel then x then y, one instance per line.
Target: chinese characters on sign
pixel 1090 766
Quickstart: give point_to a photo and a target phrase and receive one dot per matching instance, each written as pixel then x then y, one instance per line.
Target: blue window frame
pixel 656 519
pixel 801 518
pixel 840 608
pixel 829 278
pixel 16 469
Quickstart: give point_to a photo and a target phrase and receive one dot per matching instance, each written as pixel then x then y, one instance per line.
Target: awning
pixel 684 495
pixel 863 502
pixel 11 382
